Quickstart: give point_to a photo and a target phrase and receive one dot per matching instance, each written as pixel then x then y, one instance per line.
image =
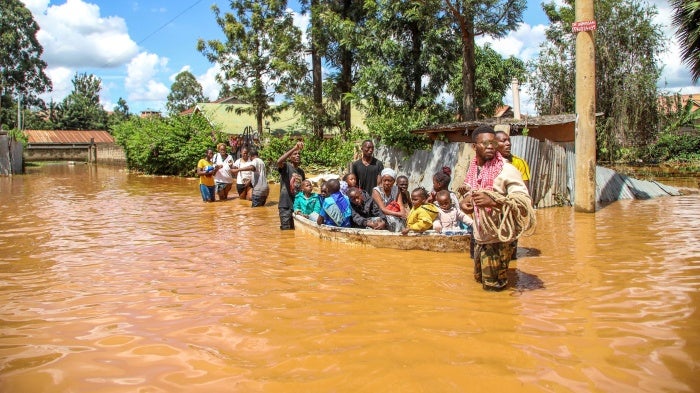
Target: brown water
pixel 114 282
pixel 669 175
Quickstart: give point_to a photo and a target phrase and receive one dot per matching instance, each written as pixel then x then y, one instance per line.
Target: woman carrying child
pixel 387 197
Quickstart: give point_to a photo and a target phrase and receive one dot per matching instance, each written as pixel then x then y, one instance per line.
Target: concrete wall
pixel 423 164
pixel 56 153
pixel 110 154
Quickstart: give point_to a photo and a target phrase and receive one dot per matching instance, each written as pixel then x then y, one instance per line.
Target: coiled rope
pixel 516 217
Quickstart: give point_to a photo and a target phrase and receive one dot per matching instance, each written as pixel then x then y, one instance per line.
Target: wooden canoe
pixel 456 241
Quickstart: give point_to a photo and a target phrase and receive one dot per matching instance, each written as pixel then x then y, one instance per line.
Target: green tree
pixel 21 68
pixel 121 110
pixel 403 55
pixel 185 93
pixel 343 33
pixel 627 47
pixel 165 146
pixel 493 77
pixel 472 18
pixel 262 56
pixel 81 109
pixel 686 19
pixel 119 113
pixel 310 104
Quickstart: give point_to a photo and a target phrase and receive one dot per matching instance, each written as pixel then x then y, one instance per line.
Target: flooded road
pixel 116 282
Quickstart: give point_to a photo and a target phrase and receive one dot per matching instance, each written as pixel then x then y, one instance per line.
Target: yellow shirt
pixel 421 218
pixel 206 180
pixel 522 166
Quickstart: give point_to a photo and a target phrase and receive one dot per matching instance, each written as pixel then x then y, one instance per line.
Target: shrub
pixel 165 146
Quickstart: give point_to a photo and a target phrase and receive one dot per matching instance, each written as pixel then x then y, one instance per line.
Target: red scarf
pixel 481 178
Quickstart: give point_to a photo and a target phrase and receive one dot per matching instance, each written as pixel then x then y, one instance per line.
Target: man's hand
pixel 482 199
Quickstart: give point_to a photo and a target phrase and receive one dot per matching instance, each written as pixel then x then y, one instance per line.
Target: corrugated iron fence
pixel 553 172
pixel 552 167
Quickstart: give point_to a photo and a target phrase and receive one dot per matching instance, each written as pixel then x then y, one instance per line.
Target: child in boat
pixel 422 215
pixel 441 181
pixel 349 181
pixel 307 202
pixel 450 216
pixel 365 212
pixel 335 209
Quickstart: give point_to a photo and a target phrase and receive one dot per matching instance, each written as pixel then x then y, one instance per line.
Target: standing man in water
pixel 367 169
pixel 495 194
pixel 504 148
pixel 291 177
pixel 524 169
pixel 260 187
pixel 206 171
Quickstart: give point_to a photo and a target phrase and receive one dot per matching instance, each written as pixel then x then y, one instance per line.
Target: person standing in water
pixel 206 171
pixel 291 176
pixel 490 186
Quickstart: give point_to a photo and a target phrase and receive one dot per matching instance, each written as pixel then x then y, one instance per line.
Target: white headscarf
pixel 389 172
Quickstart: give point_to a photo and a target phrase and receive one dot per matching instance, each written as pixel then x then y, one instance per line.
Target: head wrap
pixel 389 172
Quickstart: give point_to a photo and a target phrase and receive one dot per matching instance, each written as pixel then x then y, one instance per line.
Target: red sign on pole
pixel 586 25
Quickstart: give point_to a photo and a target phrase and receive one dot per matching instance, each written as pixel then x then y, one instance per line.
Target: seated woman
pixel 402 184
pixel 335 210
pixel 387 197
pixel 422 215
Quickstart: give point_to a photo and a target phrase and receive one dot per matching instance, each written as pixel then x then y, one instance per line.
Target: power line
pixel 168 22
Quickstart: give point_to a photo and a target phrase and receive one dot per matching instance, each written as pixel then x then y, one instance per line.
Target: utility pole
pixel 585 145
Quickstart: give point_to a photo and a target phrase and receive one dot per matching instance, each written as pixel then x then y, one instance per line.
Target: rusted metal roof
pixel 67 137
pixel 525 121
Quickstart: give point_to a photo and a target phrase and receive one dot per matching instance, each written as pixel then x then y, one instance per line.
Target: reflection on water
pixel 118 282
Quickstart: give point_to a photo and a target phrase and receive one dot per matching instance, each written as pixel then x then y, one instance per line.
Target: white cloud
pixel 184 68
pixel 522 43
pixel 301 21
pixel 675 76
pixel 61 78
pixel 141 80
pixel 75 35
pixel 36 6
pixel 210 86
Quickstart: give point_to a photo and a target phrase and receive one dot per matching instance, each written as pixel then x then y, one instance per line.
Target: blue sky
pixel 137 47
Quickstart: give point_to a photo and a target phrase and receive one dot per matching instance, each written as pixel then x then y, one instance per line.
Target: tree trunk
pixel 416 50
pixel 259 121
pixel 468 70
pixel 345 87
pixel 316 75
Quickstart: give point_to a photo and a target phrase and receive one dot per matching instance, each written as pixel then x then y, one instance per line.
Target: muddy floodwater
pixel 115 282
